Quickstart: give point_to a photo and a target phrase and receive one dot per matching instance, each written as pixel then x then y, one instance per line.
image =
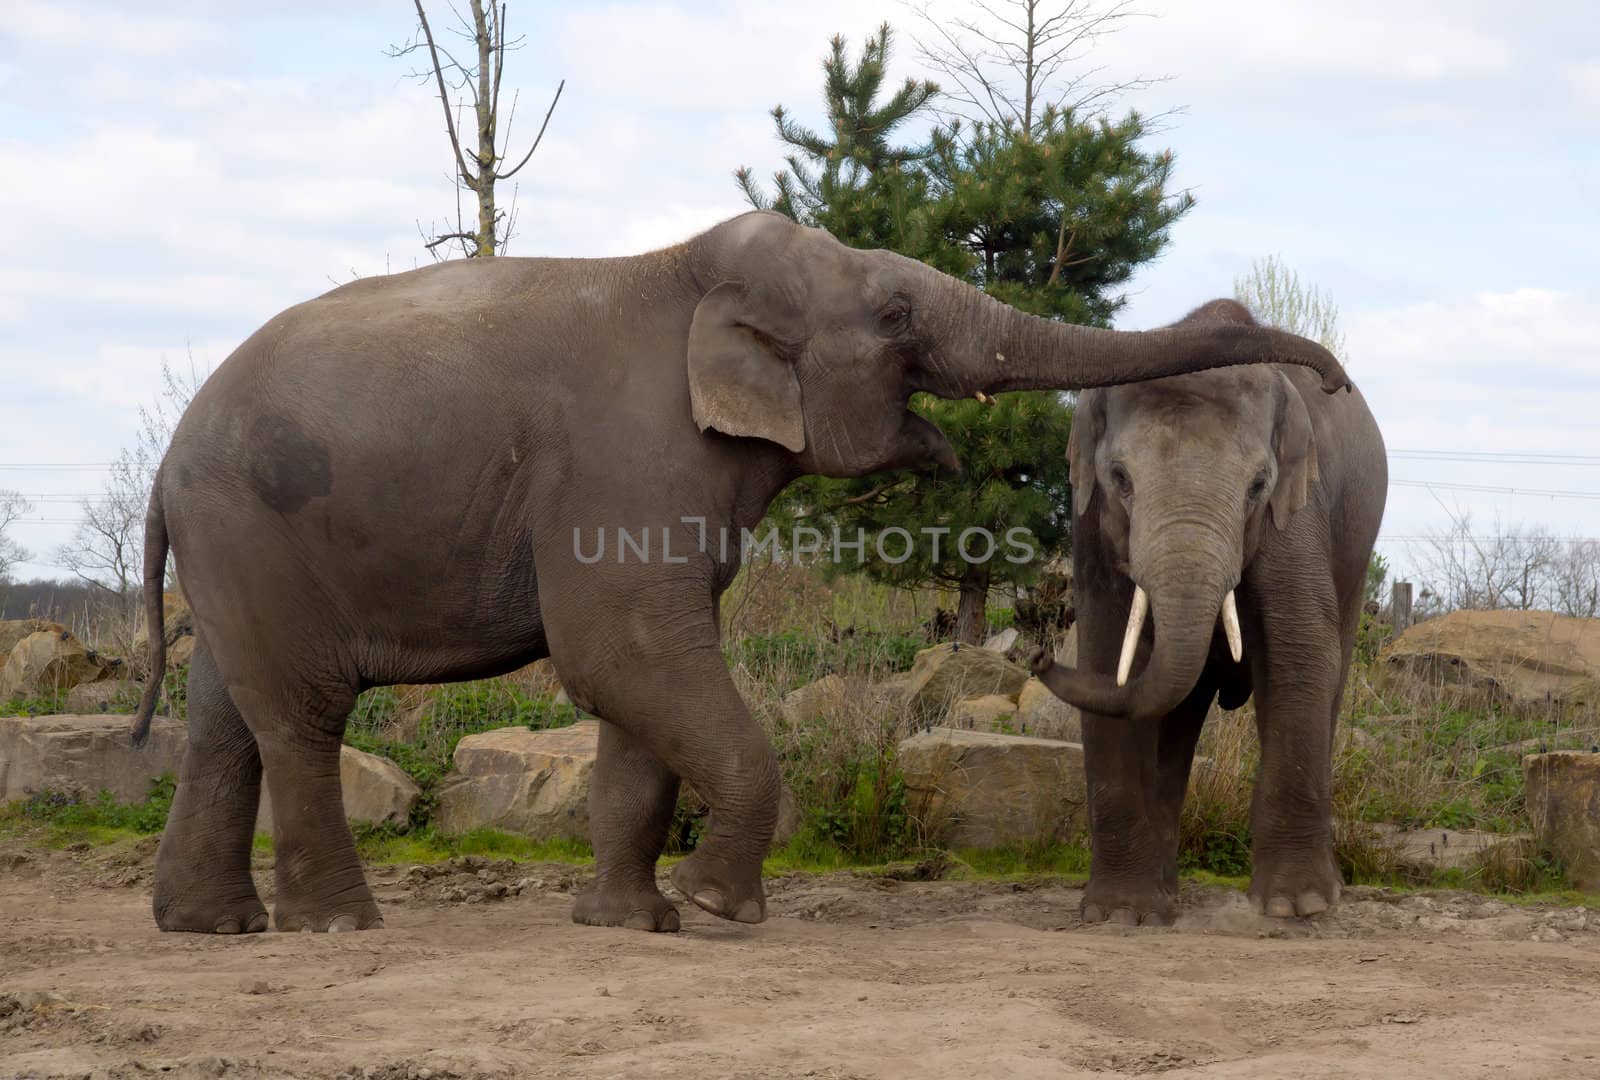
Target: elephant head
pixel 1182 477
pixel 817 347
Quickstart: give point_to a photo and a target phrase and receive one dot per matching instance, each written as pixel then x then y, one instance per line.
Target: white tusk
pixel 1130 639
pixel 1230 626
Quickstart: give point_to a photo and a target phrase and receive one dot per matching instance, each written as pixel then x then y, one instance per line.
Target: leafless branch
pixel 537 138
pixel 444 98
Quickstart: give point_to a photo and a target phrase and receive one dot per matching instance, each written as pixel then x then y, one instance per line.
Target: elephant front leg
pixel 631 799
pixel 681 706
pixel 1294 870
pixel 1133 850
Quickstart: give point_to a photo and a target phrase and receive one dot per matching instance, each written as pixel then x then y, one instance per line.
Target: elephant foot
pixel 638 908
pixel 186 902
pixel 335 919
pixel 1128 905
pixel 1287 890
pixel 193 915
pixel 712 884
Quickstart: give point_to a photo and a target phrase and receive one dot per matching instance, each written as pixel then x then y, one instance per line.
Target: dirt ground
pixel 480 973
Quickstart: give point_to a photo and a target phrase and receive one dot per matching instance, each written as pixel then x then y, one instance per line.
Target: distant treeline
pixel 59 601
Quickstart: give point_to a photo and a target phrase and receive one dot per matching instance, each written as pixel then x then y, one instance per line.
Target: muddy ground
pixel 480 974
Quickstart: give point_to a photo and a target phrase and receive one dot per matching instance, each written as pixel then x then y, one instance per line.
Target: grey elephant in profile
pixel 389 483
pixel 1222 525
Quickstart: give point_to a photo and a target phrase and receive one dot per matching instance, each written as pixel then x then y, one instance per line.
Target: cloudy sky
pixel 173 173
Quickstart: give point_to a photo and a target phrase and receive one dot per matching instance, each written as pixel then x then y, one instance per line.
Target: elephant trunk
pixel 989 347
pixel 1184 567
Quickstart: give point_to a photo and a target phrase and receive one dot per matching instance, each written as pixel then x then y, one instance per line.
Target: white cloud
pixel 80 26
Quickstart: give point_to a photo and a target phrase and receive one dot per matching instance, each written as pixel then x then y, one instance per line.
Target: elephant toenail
pixel 669 922
pixel 639 920
pixel 751 911
pixel 1311 903
pixel 1092 913
pixel 710 900
pixel 1125 917
pixel 340 924
pixel 228 926
pixel 1280 907
pixel 258 923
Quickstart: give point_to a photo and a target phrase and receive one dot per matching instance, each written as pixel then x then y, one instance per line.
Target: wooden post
pixel 1400 606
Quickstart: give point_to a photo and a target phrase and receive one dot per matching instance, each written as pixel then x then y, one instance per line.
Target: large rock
pixel 85 755
pixel 977 789
pixel 375 790
pixel 992 712
pixel 530 782
pixel 1563 797
pixel 1516 656
pixel 14 630
pixel 50 662
pixel 946 674
pixel 1041 713
pixel 815 700
pixel 103 696
pixel 1002 642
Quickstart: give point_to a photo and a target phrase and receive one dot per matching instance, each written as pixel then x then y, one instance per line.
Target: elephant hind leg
pixel 203 880
pixel 299 727
pixel 631 800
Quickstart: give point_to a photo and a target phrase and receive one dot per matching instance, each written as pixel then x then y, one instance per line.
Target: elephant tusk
pixel 1130 639
pixel 1230 626
pixel 984 398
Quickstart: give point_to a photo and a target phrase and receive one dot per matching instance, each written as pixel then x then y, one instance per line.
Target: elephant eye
pixel 1258 486
pixel 894 317
pixel 1123 482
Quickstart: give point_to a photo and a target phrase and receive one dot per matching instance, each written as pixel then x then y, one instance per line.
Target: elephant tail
pixel 155 577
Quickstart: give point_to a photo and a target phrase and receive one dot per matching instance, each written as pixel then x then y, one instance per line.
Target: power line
pixel 1492 490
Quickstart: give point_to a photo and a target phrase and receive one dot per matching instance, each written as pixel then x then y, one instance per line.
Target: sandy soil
pixel 481 974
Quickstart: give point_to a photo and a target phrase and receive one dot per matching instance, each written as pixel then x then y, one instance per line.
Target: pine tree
pixel 1050 221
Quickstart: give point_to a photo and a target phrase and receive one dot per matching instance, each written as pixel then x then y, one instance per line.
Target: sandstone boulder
pixel 977 789
pixel 992 712
pixel 103 696
pixel 1563 797
pixel 1516 656
pixel 14 630
pixel 1002 642
pixel 50 662
pixel 946 674
pixel 1041 713
pixel 825 697
pixel 85 755
pixel 375 791
pixel 530 782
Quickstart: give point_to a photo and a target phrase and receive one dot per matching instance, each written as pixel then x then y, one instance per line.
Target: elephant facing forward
pixel 1238 510
pixel 387 485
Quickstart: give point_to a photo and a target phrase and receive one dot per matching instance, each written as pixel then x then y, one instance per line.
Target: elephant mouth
pixel 922 441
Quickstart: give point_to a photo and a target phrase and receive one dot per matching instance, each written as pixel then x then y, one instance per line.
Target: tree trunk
pixel 487 163
pixel 971 620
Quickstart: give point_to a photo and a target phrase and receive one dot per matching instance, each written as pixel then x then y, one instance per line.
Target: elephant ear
pixel 1088 424
pixel 1295 444
pixel 741 380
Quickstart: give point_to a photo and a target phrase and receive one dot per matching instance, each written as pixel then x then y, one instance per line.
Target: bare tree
pixel 12 507
pixel 476 83
pixel 107 550
pixel 1575 580
pixel 1510 568
pixel 1275 294
pixel 1010 61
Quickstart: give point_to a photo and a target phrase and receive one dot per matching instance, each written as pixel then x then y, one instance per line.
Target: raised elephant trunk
pixel 992 347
